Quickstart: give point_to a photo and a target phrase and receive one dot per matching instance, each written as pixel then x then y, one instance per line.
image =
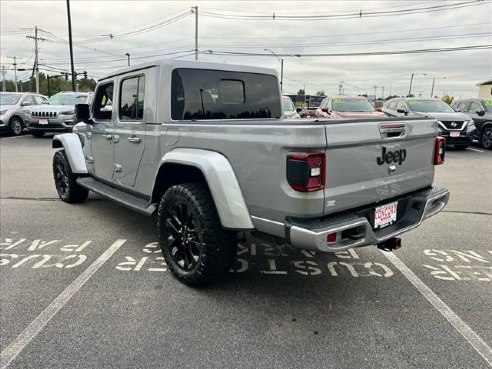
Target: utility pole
pixel 70 43
pixel 375 90
pixel 3 75
pixel 36 57
pixel 195 10
pixel 382 95
pixel 281 68
pixel 15 69
pixel 340 87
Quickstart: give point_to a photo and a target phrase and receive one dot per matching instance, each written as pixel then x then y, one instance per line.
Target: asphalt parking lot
pixel 84 286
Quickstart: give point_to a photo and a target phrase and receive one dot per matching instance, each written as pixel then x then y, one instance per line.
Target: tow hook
pixel 390 245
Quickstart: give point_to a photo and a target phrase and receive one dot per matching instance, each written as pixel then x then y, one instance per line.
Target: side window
pixel 401 105
pixel 132 95
pixel 475 106
pixel 28 100
pixel 39 99
pixel 392 104
pixel 103 102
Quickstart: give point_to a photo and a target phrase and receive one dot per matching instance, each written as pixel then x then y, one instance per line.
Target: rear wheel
pixel 65 181
pixel 15 126
pixel 486 139
pixel 197 250
pixel 37 133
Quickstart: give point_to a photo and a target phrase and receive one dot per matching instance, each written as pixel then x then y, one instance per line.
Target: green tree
pixel 320 93
pixel 301 92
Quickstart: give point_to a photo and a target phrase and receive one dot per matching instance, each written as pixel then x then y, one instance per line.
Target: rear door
pixel 372 161
pixel 130 123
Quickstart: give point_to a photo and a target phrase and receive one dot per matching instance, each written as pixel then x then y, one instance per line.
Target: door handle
pixel 134 139
pixel 108 137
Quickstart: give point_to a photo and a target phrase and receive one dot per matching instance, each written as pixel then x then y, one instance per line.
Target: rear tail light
pixel 306 171
pixel 440 151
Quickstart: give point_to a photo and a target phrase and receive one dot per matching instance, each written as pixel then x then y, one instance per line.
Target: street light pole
pixel 128 56
pixel 411 80
pixel 281 69
pixel 70 44
pixel 433 81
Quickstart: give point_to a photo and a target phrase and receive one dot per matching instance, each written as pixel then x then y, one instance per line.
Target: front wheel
pixel 65 181
pixel 197 250
pixel 486 139
pixel 15 126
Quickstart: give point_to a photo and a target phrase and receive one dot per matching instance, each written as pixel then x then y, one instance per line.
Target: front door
pixel 102 139
pixel 130 128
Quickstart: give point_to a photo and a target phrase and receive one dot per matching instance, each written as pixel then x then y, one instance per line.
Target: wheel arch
pixel 213 169
pixel 70 142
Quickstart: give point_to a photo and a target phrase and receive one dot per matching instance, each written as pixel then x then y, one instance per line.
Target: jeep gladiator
pixel 202 146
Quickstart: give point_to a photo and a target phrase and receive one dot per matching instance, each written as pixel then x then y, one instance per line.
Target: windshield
pixel 352 105
pixel 488 105
pixel 430 106
pixel 9 99
pixel 67 99
pixel 287 104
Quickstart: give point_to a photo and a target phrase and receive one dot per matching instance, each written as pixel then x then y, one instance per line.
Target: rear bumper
pixel 354 229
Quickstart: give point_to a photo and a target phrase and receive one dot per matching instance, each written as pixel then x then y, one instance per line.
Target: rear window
pixel 351 105
pixel 211 94
pixel 430 106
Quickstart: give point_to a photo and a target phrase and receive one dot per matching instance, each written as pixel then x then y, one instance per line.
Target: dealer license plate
pixel 454 134
pixel 43 121
pixel 385 215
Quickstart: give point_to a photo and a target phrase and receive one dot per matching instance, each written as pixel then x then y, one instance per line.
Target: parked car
pixel 308 113
pixel 337 107
pixel 289 110
pixel 456 127
pixel 480 110
pixel 213 170
pixel 56 115
pixel 12 110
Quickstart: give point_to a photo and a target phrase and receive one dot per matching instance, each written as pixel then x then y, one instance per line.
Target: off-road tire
pixel 189 227
pixel 65 181
pixel 486 138
pixel 37 133
pixel 460 147
pixel 16 125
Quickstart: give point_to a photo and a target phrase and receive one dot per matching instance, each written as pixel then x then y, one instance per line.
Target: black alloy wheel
pixel 183 235
pixel 197 250
pixel 65 181
pixel 486 140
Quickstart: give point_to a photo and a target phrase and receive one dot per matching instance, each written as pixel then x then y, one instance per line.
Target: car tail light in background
pixel 439 151
pixel 306 171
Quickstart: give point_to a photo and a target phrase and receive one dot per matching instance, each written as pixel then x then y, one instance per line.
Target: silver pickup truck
pixel 203 147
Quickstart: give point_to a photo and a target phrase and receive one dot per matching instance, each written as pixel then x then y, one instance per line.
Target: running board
pixel 121 197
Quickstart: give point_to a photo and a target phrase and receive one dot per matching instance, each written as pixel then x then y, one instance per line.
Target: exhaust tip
pixel 390 245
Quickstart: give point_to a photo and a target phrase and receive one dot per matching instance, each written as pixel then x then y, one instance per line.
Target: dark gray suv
pixel 456 127
pixel 480 110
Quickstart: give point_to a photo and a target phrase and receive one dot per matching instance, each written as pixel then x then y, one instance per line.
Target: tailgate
pixel 374 160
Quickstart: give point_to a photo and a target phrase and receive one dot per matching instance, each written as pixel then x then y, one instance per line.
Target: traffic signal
pixel 85 74
pixel 66 76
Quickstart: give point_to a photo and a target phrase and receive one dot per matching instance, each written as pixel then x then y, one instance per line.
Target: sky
pixel 305 34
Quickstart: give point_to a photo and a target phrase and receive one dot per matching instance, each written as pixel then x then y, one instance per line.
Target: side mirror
pixel 325 110
pixel 82 113
pixel 481 112
pixel 402 111
pixel 298 110
pixel 26 103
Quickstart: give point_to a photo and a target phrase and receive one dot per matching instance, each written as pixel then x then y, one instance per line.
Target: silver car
pixel 12 110
pixel 57 115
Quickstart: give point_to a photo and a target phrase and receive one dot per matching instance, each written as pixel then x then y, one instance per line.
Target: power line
pixel 399 52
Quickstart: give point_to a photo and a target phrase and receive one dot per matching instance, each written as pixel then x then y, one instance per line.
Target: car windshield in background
pixel 9 99
pixel 352 105
pixel 488 105
pixel 287 104
pixel 67 99
pixel 430 106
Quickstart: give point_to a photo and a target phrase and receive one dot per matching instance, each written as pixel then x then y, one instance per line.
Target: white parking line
pixel 473 339
pixel 477 150
pixel 42 319
pixel 10 138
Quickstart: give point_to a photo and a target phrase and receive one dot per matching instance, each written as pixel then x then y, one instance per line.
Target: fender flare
pixel 73 148
pixel 222 182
